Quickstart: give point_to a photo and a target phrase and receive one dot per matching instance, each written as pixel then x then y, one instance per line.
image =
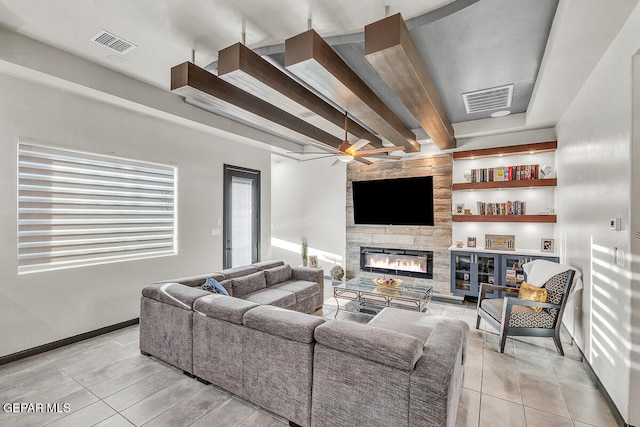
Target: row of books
pixel 505 173
pixel 514 207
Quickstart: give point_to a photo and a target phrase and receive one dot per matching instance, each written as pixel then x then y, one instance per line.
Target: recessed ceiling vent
pixel 495 98
pixel 113 42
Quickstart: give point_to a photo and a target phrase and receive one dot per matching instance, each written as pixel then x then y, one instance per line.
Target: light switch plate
pixel 615 224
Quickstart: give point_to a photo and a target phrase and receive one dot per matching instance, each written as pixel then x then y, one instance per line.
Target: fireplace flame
pixel 396 264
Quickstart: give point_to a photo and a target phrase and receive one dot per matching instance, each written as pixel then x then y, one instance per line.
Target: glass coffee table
pixel 367 297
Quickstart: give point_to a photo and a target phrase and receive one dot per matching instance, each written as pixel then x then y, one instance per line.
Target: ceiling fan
pixel 348 152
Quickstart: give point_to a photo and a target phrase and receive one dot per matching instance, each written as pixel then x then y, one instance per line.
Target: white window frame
pixel 78 208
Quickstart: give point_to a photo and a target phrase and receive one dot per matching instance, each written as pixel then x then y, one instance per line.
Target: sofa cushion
pixel 212 285
pixel 234 272
pixel 263 265
pixel 390 348
pixel 302 288
pixel 223 308
pixel 227 284
pixel 284 323
pixel 274 297
pixel 247 284
pixel 277 274
pixel 175 294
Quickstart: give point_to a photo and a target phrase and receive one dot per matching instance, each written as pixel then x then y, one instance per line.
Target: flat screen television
pixel 400 201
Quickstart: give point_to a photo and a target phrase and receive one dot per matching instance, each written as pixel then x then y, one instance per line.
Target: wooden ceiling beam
pixel 309 57
pixel 248 71
pixel 194 82
pixel 391 51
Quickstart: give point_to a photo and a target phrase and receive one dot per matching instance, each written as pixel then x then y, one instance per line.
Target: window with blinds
pixel 77 209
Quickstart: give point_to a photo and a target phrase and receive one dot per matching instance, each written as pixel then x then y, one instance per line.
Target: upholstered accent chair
pixel 515 317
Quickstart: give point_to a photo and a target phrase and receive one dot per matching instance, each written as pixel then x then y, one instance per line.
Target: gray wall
pixel 39 308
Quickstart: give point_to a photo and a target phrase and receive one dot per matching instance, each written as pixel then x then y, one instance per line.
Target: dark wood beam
pixel 194 82
pixel 247 70
pixel 390 50
pixel 309 57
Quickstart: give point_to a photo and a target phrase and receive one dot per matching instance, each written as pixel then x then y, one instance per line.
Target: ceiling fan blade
pixel 316 158
pixel 375 151
pixel 338 161
pixel 311 152
pixel 357 145
pixel 365 161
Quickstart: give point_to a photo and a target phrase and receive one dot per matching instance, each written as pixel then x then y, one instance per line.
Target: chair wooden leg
pixel 503 340
pixel 558 343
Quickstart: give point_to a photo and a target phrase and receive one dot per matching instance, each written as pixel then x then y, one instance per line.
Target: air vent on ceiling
pixel 113 42
pixel 495 98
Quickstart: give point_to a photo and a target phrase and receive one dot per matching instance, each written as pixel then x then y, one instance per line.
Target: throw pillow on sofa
pixel 212 285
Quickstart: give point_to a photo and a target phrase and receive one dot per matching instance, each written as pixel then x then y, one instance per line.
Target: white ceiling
pixel 166 31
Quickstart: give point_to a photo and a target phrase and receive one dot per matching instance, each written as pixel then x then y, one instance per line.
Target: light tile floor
pixel 107 382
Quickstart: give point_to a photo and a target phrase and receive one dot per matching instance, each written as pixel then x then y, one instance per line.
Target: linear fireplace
pixel 400 262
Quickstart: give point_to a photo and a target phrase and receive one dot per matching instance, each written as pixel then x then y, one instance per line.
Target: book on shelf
pixel 505 173
pixel 514 207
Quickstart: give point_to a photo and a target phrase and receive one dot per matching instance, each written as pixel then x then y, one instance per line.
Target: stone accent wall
pixel 436 238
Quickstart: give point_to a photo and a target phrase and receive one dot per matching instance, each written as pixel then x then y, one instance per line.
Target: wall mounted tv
pixel 401 201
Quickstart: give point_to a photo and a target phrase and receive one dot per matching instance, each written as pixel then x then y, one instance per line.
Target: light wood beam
pixel 391 51
pixel 309 57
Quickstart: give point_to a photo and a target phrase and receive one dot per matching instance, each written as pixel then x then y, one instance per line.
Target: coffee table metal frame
pixel 372 298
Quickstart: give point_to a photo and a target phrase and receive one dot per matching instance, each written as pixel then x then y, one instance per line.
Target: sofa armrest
pixel 437 378
pixel 288 324
pixel 379 345
pixel 175 294
pixel 308 273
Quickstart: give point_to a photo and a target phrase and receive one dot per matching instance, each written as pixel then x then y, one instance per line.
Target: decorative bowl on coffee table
pixel 388 283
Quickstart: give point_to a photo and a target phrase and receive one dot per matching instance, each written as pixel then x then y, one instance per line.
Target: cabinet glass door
pixel 486 269
pixel 512 272
pixel 462 273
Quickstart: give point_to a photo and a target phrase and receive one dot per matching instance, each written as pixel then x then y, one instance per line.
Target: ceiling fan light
pixel 345 158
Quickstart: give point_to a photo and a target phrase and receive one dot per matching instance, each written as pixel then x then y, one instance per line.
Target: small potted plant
pixel 305 250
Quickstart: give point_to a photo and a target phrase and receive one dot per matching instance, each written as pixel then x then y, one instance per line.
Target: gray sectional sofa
pixel 403 368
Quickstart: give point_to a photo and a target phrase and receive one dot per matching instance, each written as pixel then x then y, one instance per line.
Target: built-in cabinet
pixel 471 268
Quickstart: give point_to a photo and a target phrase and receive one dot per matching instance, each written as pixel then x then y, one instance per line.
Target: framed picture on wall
pixel 471 242
pixel 547 245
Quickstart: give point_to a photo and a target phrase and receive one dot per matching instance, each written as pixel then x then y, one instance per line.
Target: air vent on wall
pixel 113 42
pixel 637 234
pixel 495 98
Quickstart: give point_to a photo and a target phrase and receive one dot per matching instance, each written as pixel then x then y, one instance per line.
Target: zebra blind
pixel 77 209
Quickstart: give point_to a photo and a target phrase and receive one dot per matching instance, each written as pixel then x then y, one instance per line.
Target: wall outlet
pixel 215 231
pixel 620 257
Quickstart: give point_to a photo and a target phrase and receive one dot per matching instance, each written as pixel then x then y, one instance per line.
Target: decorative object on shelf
pixel 467 176
pixel 547 172
pixel 467 211
pixel 386 283
pixel 305 250
pixel 336 273
pixel 313 261
pixel 459 244
pixel 459 208
pixel 471 242
pixel 504 242
pixel 547 245
pixel 510 276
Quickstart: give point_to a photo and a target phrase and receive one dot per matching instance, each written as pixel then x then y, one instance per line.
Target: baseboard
pixel 594 377
pixel 66 341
